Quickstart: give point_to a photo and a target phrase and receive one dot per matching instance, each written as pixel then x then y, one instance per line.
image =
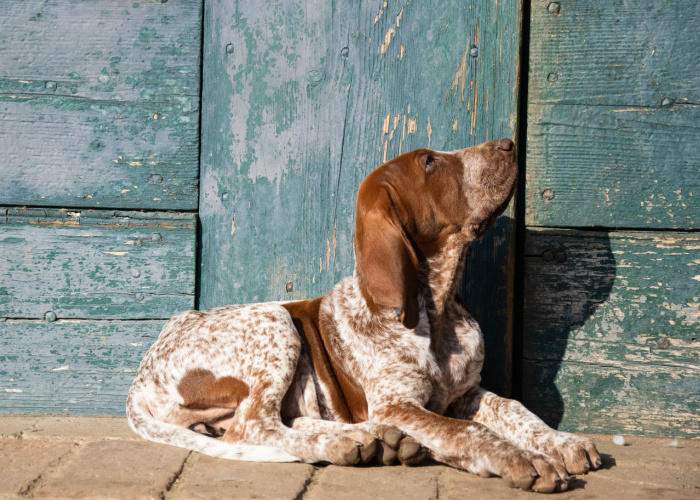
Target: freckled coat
pixel 386 364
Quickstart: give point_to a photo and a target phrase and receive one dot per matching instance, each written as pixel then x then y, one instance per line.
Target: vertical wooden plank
pixel 302 101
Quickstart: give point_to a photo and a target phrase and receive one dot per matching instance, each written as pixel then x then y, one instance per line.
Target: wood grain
pixel 71 366
pixel 301 102
pixel 613 167
pixel 99 103
pixel 613 113
pixel 611 330
pixel 614 53
pixel 96 264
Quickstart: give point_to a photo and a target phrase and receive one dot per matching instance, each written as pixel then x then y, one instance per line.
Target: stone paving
pixel 52 457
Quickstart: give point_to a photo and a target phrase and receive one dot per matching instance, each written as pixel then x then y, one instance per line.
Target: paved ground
pixel 99 457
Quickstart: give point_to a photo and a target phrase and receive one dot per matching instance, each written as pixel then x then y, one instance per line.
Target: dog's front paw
pixel 579 454
pixel 394 444
pixel 534 471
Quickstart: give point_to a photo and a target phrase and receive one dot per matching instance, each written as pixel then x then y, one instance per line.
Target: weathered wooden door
pixel 301 100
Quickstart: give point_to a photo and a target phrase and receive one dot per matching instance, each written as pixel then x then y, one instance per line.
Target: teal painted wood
pixel 614 53
pixel 99 103
pixel 301 102
pixel 68 366
pixel 96 264
pixel 613 115
pixel 611 330
pixel 614 167
pixel 643 399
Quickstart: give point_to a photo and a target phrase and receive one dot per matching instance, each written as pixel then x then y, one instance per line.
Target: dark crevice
pixel 308 484
pixel 609 229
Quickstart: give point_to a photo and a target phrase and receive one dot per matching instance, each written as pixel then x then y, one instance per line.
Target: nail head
pixel 156 237
pixel 547 255
pixel 554 7
pixel 51 85
pixel 666 102
pixel 50 316
pixel 344 52
pixel 229 48
pixel 474 52
pixel 560 257
pixel 289 287
pixel 548 194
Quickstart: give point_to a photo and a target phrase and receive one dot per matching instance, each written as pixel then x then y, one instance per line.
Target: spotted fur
pixel 387 354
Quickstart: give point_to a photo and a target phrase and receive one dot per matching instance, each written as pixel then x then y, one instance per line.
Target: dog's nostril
pixel 505 145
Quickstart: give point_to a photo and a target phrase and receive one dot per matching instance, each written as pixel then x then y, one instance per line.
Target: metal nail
pixel 552 77
pixel 554 7
pixel 50 316
pixel 344 52
pixel 474 52
pixel 229 48
pixel 135 273
pixel 547 255
pixel 560 257
pixel 156 237
pixel 156 179
pixel 667 102
pixel 548 194
pixel 51 85
pixel 289 287
pixel 225 197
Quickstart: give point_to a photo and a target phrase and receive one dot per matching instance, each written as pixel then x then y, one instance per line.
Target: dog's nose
pixel 505 145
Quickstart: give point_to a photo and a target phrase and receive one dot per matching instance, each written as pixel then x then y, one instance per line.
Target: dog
pixel 386 364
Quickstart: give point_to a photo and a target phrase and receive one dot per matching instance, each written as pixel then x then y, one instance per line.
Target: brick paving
pixel 52 457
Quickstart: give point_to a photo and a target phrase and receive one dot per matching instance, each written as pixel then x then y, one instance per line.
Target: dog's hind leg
pixel 258 420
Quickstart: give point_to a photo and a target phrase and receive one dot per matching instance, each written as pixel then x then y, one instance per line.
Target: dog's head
pixel 410 206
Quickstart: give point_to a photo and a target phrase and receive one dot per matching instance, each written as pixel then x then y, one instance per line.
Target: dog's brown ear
pixel 385 262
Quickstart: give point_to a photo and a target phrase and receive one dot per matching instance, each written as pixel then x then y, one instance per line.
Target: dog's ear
pixel 385 262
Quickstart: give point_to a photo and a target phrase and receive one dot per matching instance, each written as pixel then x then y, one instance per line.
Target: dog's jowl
pixel 386 365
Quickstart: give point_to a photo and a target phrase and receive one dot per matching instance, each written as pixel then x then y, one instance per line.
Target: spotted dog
pixel 386 364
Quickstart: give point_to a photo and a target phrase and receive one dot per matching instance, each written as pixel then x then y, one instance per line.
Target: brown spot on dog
pixel 201 390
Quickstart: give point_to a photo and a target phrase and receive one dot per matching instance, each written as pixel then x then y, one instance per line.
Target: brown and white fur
pixel 386 360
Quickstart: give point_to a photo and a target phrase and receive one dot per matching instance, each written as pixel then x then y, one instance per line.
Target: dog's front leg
pixel 473 447
pixel 512 420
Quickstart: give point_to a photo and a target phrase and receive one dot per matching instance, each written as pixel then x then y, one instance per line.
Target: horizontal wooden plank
pixel 104 50
pixel 99 104
pixel 641 399
pixel 617 167
pixel 616 52
pixel 69 366
pixel 71 152
pixel 610 307
pixel 96 264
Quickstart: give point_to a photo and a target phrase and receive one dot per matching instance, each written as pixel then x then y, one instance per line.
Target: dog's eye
pixel 429 163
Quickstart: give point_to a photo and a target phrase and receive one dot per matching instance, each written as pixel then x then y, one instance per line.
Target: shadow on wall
pixel 567 278
pixel 485 288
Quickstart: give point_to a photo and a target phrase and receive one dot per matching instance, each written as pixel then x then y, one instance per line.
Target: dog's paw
pixel 534 471
pixel 578 454
pixel 395 445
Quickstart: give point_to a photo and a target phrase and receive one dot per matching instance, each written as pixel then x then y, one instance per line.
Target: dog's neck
pixel 439 277
pixel 441 273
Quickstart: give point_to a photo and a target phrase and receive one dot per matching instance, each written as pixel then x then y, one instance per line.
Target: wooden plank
pixel 614 167
pixel 70 366
pixel 613 115
pixel 643 399
pixel 68 152
pixel 611 330
pixel 615 53
pixel 295 119
pixel 106 87
pixel 96 264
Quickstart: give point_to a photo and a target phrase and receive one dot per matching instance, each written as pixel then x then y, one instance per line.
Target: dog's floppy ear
pixel 386 264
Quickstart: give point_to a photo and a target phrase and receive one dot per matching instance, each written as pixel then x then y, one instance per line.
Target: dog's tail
pixel 143 423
